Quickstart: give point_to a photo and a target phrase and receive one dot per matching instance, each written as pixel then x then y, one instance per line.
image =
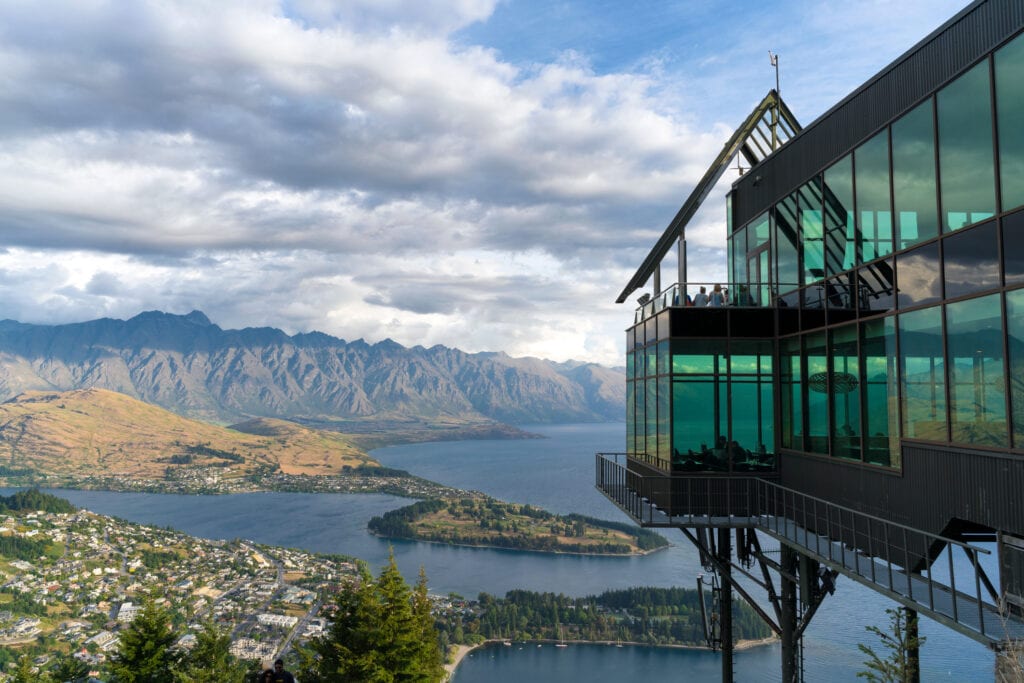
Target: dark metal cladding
pixel 951 49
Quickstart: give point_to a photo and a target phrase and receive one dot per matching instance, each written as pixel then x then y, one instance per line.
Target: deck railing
pixel 893 558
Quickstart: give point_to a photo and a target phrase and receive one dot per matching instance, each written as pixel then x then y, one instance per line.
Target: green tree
pixel 382 633
pixel 897 666
pixel 69 669
pixel 211 661
pixel 144 652
pixel 25 672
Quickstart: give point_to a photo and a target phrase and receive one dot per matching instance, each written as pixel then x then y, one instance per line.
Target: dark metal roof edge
pixel 956 18
pixel 703 188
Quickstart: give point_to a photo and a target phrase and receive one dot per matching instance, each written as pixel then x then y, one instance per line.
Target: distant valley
pixel 190 366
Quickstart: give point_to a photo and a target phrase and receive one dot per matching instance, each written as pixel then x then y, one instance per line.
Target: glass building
pixel 868 348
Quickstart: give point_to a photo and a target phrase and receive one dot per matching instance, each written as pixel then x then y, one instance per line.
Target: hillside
pixel 188 365
pixel 96 431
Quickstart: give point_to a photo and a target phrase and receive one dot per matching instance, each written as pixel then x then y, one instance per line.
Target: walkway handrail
pixel 861 545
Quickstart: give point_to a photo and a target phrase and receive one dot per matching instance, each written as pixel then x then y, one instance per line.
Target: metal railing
pixel 891 557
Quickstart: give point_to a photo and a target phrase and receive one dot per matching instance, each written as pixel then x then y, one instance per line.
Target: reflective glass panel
pixel 876 288
pixel 880 396
pixel 874 212
pixel 971 260
pixel 922 374
pixel 694 420
pixel 966 167
pixel 817 393
pixel 812 232
pixel 791 405
pixel 664 427
pixel 651 438
pixel 913 176
pixel 663 358
pixel 1009 105
pixel 840 235
pixel 1013 247
pixel 1015 342
pixel 844 385
pixel 919 276
pixel 630 417
pixel 977 389
pixel 786 242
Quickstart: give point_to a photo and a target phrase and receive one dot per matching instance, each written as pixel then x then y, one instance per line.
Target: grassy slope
pixel 95 431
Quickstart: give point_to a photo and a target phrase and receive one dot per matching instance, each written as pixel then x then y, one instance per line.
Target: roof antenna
pixel 774 59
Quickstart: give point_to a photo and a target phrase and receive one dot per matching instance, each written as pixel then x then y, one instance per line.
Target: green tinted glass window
pixel 693 422
pixel 922 374
pixel 844 386
pixel 787 275
pixel 791 405
pixel 1009 105
pixel 977 390
pixel 879 392
pixel 664 427
pixel 812 231
pixel 1015 342
pixel 966 166
pixel 630 417
pixel 840 235
pixel 913 176
pixel 816 355
pixel 874 210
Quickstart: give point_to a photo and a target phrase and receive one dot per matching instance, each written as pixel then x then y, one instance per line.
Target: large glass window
pixel 876 287
pixel 786 243
pixel 1013 247
pixel 752 411
pixel 818 388
pixel 880 397
pixel 1015 342
pixel 1009 105
pixel 630 417
pixel 971 260
pixel 791 405
pixel 966 166
pixel 844 385
pixel 874 212
pixel 922 374
pixel 919 276
pixel 811 231
pixel 699 373
pixel 913 176
pixel 651 437
pixel 840 234
pixel 977 395
pixel 664 426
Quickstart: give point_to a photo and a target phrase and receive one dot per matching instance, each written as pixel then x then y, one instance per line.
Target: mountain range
pixel 190 366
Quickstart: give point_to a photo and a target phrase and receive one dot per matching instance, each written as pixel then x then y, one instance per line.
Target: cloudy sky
pixel 485 174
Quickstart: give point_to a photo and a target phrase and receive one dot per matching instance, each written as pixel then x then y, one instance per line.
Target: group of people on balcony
pixel 718 459
pixel 719 297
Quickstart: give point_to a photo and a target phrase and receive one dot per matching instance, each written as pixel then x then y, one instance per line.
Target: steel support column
pixel 725 601
pixel 790 650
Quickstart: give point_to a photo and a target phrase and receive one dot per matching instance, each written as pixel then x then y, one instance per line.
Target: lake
pixel 556 473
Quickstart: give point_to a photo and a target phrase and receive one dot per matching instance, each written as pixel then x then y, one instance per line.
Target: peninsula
pixel 485 522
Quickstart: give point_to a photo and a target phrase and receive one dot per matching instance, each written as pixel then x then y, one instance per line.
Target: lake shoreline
pixel 639 553
pixel 463 651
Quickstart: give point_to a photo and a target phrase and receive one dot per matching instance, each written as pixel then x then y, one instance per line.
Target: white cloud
pixel 349 167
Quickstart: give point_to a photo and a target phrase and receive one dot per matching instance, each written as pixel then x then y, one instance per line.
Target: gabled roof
pixel 753 139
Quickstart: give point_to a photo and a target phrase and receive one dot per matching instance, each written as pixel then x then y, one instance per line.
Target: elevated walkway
pixel 898 561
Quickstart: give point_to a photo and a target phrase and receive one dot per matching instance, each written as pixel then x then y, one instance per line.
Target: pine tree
pixel 897 667
pixel 382 633
pixel 144 653
pixel 211 661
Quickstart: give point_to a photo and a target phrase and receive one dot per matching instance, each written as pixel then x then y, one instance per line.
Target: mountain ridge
pixel 191 366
